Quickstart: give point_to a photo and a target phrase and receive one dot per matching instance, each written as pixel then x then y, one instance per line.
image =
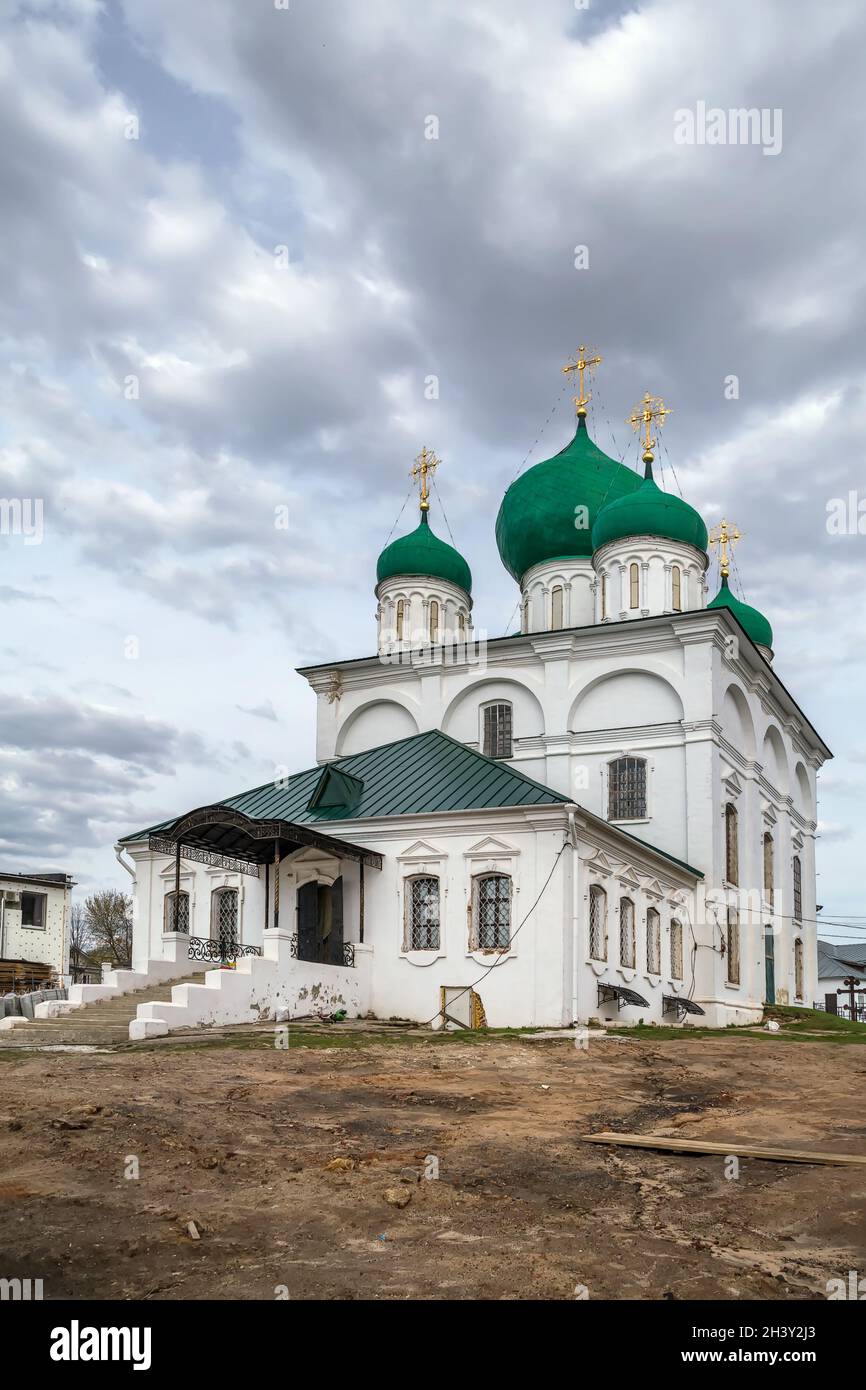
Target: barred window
pixel 626 933
pixel 597 923
pixel 225 917
pixel 401 616
pixel 653 942
pixel 768 867
pixel 604 596
pixel 798 889
pixel 556 607
pixel 732 849
pixel 491 912
pixel 733 947
pixel 627 789
pixel 497 731
pixel 676 589
pixel 176 912
pixel 634 586
pixel 434 620
pixel 676 949
pixel 798 969
pixel 422 915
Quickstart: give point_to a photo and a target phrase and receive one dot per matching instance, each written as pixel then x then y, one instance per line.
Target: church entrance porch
pixel 319 937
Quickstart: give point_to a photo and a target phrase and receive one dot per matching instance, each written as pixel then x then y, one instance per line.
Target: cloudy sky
pixel 233 256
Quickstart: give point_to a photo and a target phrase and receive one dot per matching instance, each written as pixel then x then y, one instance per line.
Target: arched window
pixel 422 914
pixel 768 867
pixel 676 949
pixel 401 618
pixel 526 615
pixel 597 922
pixel 497 737
pixel 491 913
pixel 732 850
pixel 626 799
pixel 176 912
pixel 603 597
pixel 461 623
pixel 434 620
pixel 676 589
pixel 732 944
pixel 626 933
pixel 798 969
pixel 653 942
pixel 634 586
pixel 224 919
pixel 556 607
pixel 798 889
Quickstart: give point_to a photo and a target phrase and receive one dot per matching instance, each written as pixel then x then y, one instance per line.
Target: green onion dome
pixel 539 518
pixel 753 623
pixel 424 555
pixel 649 512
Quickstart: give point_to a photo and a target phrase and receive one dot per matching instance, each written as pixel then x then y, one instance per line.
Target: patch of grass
pixel 796 1025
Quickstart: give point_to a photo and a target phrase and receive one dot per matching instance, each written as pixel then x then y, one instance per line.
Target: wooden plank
pixel 710 1146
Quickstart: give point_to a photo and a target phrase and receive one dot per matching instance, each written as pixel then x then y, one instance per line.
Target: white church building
pixel 608 815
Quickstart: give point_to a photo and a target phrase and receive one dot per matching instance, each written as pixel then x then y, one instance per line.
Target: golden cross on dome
pixel 724 535
pixel 651 408
pixel 582 364
pixel 425 466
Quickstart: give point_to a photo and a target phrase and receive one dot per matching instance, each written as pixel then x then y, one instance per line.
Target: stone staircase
pixel 102 1023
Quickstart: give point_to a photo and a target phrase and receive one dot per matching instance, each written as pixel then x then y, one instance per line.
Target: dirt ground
pixel 241 1138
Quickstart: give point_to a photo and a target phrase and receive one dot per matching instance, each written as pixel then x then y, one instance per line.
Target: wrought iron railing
pixel 205 948
pixel 348 952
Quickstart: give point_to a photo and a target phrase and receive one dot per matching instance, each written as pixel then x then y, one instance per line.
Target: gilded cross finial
pixel 724 535
pixel 425 466
pixel 580 364
pixel 651 408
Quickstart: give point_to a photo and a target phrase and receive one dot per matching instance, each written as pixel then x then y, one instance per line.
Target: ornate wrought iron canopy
pixel 228 834
pixel 675 1004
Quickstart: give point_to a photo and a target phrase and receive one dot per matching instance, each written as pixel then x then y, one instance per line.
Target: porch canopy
pixel 220 833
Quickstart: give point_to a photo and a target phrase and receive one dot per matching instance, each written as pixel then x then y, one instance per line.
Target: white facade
pixel 643 577
pixel 686 693
pixel 415 611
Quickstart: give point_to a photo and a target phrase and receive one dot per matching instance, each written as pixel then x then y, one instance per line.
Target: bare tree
pixel 79 935
pixel 109 922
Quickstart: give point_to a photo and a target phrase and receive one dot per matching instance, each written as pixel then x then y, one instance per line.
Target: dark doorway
pixel 770 967
pixel 320 922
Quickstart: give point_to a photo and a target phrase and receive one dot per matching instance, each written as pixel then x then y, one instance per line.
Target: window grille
pixel 676 589
pixel 798 889
pixel 597 923
pixel 492 913
pixel 732 855
pixel 626 933
pixel 733 947
pixel 497 731
pixel 423 933
pixel 653 942
pixel 798 968
pixel 177 912
pixel 226 918
pixel 676 949
pixel 768 867
pixel 627 789
pixel 604 596
pixel 634 586
pixel 434 621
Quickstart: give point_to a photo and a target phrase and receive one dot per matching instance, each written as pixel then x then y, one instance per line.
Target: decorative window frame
pixel 598 963
pixel 213 924
pixel 421 861
pixel 653 905
pixel 491 856
pixel 187 885
pixel 628 894
pixel 605 785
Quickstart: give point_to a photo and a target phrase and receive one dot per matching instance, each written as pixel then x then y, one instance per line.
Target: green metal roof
pixel 422 553
pixel 649 512
pixel 424 774
pixel 421 775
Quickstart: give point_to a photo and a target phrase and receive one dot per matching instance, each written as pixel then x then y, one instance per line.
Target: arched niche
pixel 380 721
pixel 462 719
pixel 737 721
pixel 774 760
pixel 624 699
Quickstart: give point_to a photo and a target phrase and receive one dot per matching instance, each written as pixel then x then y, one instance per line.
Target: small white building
pixel 34 920
pixel 610 814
